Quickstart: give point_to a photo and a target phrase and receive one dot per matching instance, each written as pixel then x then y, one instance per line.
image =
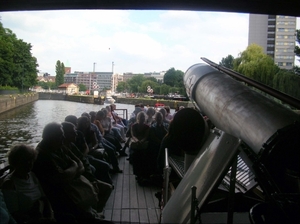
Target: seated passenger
pixel 139 144
pixel 169 116
pixel 22 191
pixel 98 167
pixel 164 113
pixel 5 215
pixel 114 122
pixel 85 126
pixel 150 113
pixel 186 134
pixel 158 131
pixel 58 172
pixel 118 119
pixel 70 138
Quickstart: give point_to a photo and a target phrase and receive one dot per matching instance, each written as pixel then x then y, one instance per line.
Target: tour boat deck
pixel 130 202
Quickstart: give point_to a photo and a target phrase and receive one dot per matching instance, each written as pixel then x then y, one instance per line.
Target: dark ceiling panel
pixel 275 7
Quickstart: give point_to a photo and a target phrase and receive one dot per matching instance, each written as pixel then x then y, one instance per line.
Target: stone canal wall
pixel 9 102
pixel 90 99
pixel 60 96
pixel 151 102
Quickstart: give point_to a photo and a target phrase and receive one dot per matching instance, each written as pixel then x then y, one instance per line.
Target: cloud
pixel 136 41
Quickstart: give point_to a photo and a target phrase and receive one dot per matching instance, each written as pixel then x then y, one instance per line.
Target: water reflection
pixel 25 124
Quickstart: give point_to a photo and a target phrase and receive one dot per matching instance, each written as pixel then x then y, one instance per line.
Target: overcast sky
pixel 136 41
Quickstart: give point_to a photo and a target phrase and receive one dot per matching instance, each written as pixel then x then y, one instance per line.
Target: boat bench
pixel 245 179
pixel 177 164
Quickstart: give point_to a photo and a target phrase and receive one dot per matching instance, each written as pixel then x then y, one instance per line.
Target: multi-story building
pixel 276 35
pixel 115 81
pixel 158 75
pixel 92 80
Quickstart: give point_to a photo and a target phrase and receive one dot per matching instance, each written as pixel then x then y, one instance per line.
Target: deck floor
pixel 130 202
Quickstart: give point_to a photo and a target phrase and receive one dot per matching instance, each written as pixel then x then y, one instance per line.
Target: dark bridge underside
pixel 273 7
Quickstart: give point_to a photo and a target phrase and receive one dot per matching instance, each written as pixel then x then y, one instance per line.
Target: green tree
pixel 153 79
pixel 255 64
pixel 174 78
pixel 147 83
pixel 122 87
pixel 17 65
pixel 60 71
pixel 82 87
pixel 164 89
pixel 297 48
pixel 136 82
pixel 227 62
pixel 296 69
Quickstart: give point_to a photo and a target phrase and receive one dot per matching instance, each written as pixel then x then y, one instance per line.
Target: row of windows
pixel 284 63
pixel 284 57
pixel 286 23
pixel 285 37
pixel 285 29
pixel 285 17
pixel 285 43
pixel 285 50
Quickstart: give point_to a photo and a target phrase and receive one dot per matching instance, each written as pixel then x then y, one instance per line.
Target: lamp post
pixel 90 77
pixel 113 79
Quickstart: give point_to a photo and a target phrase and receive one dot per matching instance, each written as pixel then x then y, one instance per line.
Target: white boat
pixel 109 100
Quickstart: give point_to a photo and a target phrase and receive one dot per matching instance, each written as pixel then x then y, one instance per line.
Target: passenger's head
pixel 163 112
pixel 137 110
pixel 187 130
pixel 83 123
pixel 100 115
pixel 150 112
pixel 108 109
pixel 167 108
pixel 113 107
pixel 85 114
pixel 69 131
pixel 53 134
pixel 72 119
pixel 105 112
pixel 21 157
pixel 141 117
pixel 92 115
pixel 159 118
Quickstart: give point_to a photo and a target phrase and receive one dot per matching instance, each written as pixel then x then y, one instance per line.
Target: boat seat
pixel 245 178
pixel 177 164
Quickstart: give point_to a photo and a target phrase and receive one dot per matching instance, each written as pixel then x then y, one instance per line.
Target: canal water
pixel 25 124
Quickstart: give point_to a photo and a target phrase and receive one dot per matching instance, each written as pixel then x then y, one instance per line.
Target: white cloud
pixel 136 41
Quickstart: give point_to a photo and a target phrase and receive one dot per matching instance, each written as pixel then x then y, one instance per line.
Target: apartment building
pixel 276 35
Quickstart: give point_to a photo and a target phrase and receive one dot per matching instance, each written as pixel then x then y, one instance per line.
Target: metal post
pixel 113 79
pixel 193 204
pixel 166 179
pixel 232 192
pixel 90 77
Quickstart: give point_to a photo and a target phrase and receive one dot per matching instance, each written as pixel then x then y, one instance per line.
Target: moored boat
pixel 109 100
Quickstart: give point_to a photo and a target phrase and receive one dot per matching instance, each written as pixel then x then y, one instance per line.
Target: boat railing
pixel 123 113
pixel 167 171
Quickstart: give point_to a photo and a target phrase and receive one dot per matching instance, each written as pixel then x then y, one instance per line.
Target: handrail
pixel 267 89
pixel 124 113
pixel 166 179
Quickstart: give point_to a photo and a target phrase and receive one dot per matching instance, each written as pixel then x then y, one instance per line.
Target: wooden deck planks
pixel 129 202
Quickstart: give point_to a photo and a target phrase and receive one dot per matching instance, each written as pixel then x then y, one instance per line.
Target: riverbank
pixel 9 102
pixel 151 102
pixel 133 101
